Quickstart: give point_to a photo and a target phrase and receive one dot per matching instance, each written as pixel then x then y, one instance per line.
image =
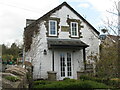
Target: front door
pixel 65 64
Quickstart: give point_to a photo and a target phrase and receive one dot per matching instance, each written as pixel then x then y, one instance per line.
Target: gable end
pixel 59 7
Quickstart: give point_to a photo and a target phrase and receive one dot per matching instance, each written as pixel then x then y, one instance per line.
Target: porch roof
pixel 65 44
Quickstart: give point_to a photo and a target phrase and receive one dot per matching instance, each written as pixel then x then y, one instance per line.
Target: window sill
pixel 52 35
pixel 74 36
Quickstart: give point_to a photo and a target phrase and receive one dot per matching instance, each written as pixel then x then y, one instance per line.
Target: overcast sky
pixel 13 14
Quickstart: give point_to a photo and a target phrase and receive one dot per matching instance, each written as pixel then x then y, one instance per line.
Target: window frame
pixel 76 29
pixel 55 28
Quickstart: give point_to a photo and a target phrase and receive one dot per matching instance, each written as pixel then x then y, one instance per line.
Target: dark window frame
pixel 47 26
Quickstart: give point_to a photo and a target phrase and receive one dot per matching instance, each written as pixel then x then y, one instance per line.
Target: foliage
pixel 86 77
pixel 111 82
pixel 107 65
pixel 11 53
pixel 7 57
pixel 66 78
pixel 69 84
pixel 29 34
pixel 111 24
pixel 41 82
pixel 12 78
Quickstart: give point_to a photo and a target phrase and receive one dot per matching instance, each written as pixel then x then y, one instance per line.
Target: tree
pixel 111 22
pixel 14 50
pixel 4 49
pixel 11 53
pixel 109 63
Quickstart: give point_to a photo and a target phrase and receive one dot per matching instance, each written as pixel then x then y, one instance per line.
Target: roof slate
pixel 65 43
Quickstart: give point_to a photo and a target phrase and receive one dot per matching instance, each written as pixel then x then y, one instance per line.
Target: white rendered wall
pixel 43 63
pixel 89 35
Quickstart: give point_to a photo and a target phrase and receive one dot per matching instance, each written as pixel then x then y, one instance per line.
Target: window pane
pixel 52 27
pixel 62 61
pixel 69 73
pixel 74 29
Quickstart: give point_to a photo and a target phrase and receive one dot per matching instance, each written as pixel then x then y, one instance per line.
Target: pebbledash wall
pixel 43 63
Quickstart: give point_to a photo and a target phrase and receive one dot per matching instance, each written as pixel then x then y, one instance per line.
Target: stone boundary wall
pixel 15 77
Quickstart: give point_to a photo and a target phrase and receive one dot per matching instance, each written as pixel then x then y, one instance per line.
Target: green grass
pixel 12 78
pixel 69 83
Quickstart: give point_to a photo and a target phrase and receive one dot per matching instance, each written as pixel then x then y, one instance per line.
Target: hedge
pixel 69 84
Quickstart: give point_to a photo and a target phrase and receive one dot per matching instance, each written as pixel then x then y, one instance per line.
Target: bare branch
pixel 111 12
pixel 112 29
pixel 116 6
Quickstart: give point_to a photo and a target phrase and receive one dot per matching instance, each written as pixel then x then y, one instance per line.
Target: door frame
pixel 59 65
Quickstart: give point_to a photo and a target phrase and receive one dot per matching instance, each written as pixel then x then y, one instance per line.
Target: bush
pixel 12 78
pixel 66 79
pixel 86 77
pixel 94 84
pixel 114 82
pixel 41 82
pixel 107 81
pixel 71 83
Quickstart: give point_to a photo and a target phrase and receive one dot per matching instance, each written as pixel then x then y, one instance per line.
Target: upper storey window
pixel 52 28
pixel 74 29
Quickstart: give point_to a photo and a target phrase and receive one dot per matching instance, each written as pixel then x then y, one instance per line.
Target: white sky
pixel 13 14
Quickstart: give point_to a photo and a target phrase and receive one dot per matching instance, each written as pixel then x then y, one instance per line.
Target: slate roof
pixel 66 43
pixel 59 7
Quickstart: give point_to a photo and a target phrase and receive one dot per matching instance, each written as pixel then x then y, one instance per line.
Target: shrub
pixel 41 82
pixel 70 80
pixel 113 82
pixel 93 84
pixel 71 84
pixel 66 78
pixel 12 78
pixel 86 77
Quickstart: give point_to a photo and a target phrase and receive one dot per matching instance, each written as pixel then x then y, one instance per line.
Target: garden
pixel 85 81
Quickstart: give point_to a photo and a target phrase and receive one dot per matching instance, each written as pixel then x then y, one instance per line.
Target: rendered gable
pixel 89 36
pixel 63 14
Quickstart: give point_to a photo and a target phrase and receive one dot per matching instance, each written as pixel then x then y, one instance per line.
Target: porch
pixel 67 56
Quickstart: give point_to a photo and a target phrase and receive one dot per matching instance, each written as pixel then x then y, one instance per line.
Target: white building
pixel 61 41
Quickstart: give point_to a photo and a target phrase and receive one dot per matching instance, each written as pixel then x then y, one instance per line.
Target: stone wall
pixel 89 71
pixel 15 77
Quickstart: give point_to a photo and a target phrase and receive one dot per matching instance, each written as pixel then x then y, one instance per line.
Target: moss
pixel 12 78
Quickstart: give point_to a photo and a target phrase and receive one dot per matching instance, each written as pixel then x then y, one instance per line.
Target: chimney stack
pixel 29 21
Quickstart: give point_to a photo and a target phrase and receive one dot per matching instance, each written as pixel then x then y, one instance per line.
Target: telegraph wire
pixel 18 7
